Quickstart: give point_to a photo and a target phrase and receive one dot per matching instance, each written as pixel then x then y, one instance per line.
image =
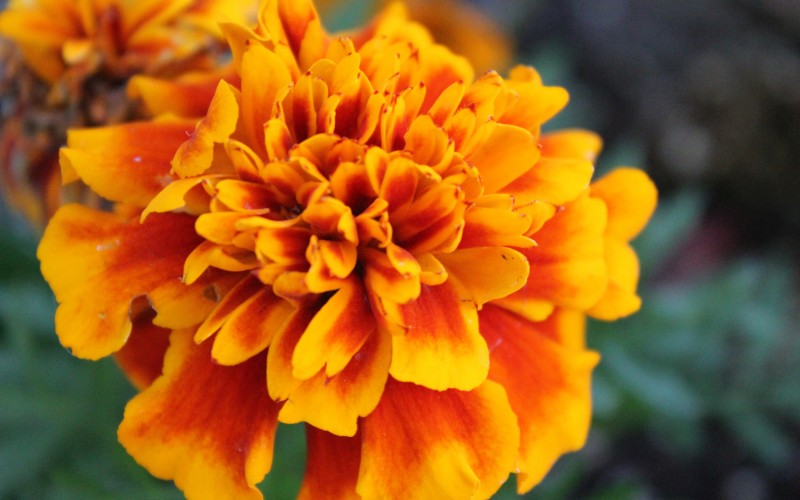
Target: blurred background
pixel 697 396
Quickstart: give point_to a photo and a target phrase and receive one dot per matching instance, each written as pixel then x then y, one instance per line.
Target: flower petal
pixel 207 427
pixel 125 163
pixel 195 155
pixel 142 356
pixel 568 266
pixel 631 199
pixel 487 273
pixel 335 334
pixel 552 180
pixel 335 404
pixel 332 465
pixel 620 298
pixel 571 143
pixel 86 253
pixel 188 95
pixel 548 386
pixel 249 329
pixel 420 443
pixel 435 339
pixel 508 153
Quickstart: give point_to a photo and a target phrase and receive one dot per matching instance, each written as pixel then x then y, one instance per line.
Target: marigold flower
pixel 361 236
pixel 66 64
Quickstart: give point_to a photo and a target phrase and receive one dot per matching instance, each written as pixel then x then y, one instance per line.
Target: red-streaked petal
pixel 249 329
pixel 127 163
pixel 568 266
pixel 335 334
pixel 335 404
pixel 236 296
pixel 381 277
pixel 487 273
pixel 332 465
pixel 506 154
pixel 631 199
pixel 548 386
pixel 142 356
pixel 435 339
pixel 86 253
pixel 208 427
pixel 420 443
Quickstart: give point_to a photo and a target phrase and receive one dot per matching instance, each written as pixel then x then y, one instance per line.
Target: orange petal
pixel 488 226
pixel 548 387
pixel 384 280
pixel 435 341
pixel 335 404
pixel 535 103
pixel 263 76
pixel 249 329
pixel 196 154
pixel 487 273
pixel 620 298
pixel 571 143
pixel 210 428
pixel 631 199
pixel 97 263
pixel 246 288
pixel 126 163
pixel 552 180
pixel 508 153
pixel 332 465
pixel 335 334
pixel 142 356
pixel 568 266
pixel 449 444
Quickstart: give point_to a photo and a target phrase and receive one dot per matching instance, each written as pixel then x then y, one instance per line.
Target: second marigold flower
pixel 361 236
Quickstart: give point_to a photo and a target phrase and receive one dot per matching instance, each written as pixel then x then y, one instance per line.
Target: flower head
pixel 392 241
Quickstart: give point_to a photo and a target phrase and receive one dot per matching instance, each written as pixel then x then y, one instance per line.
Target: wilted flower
pixel 361 236
pixel 66 64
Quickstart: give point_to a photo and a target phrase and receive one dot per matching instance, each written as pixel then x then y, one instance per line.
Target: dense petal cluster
pixel 359 235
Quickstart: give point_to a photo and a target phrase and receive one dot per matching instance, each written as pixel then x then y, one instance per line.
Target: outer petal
pixel 127 163
pixel 631 199
pixel 568 267
pixel 188 95
pixel 552 180
pixel 435 339
pixel 620 298
pixel 571 143
pixel 207 427
pixel 97 263
pixel 548 387
pixel 331 466
pixel 420 443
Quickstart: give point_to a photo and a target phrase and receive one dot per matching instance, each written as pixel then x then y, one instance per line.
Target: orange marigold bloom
pixel 358 235
pixel 66 64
